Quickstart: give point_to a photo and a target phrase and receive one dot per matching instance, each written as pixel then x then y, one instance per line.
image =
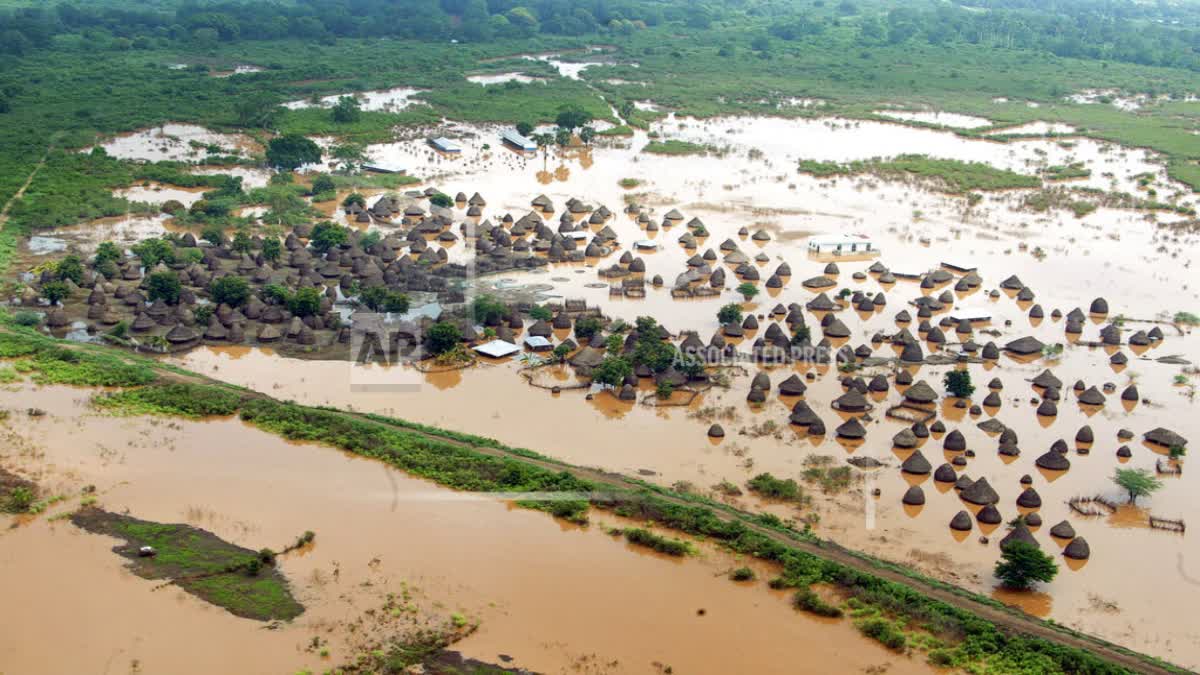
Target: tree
pixel 271 249
pixel 587 327
pixel 383 299
pixel 561 351
pixel 292 151
pixel 443 337
pixel 346 110
pixel 1137 482
pixel 242 243
pixel 321 184
pixel 524 128
pixel 257 111
pixel 54 291
pixel 305 302
pixel 540 313
pixel 326 235
pixel 571 117
pixel 441 199
pixel 351 156
pixel 1022 563
pixel 731 313
pixel 230 290
pixel 213 234
pixel 612 371
pixel 958 383
pixel 488 309
pixel 70 268
pixel 163 286
pixel 354 198
pixel 747 290
pixel 586 134
pixel 562 137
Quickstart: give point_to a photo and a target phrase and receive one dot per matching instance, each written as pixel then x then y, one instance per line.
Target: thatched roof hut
pixel 1165 437
pixel 851 401
pixel 1020 532
pixel 916 464
pixel 802 414
pixel 914 496
pixel 961 522
pixel 851 428
pixel 920 393
pixel 1029 499
pixel 1063 530
pixel 945 474
pixel 792 386
pixel 980 492
pixel 955 441
pixel 904 438
pixel 716 431
pixel 989 515
pixel 1053 461
pixel 1025 346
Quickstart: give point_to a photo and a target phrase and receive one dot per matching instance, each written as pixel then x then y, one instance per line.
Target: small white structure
pixel 577 235
pixel 498 349
pixel 445 145
pixel 844 244
pixel 537 343
pixel 972 315
pixel 384 167
pixel 646 244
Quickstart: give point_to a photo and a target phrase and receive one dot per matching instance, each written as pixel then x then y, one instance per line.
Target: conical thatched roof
pixel 945 474
pixel 1063 530
pixel 1165 437
pixel 1029 499
pixel 989 515
pixel 915 496
pixel 1078 549
pixel 920 392
pixel 181 334
pixel 1025 346
pixel 851 428
pixel 1047 379
pixel 904 438
pixel 716 431
pixel 916 464
pixel 980 492
pixel 955 441
pixel 1053 461
pixel 1092 396
pixel 802 414
pixel 1047 408
pixel 961 522
pixel 792 386
pixel 1019 533
pixel 851 401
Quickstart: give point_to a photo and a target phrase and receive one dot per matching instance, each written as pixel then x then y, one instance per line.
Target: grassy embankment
pixel 462 461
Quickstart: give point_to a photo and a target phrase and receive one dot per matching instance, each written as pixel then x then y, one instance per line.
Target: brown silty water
pixel 549 596
pixel 1123 255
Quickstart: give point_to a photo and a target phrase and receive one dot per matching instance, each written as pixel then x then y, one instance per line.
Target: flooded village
pixel 422 415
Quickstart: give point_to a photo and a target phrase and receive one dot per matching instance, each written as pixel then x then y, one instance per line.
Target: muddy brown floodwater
pixel 1139 584
pixel 551 596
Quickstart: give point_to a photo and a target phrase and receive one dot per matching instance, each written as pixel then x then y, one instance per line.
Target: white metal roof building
pixel 498 349
pixel 511 137
pixel 445 144
pixel 845 244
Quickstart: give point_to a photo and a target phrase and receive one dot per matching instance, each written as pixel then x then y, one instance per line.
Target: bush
pixel 229 290
pixel 305 302
pixel 53 291
pixel 20 499
pixel 731 313
pixel 807 600
pixel 27 318
pixel 326 235
pixel 742 574
pixel 879 628
pixel 643 537
pixel 958 383
pixel 587 327
pixel 443 337
pixel 163 286
pixel 664 390
pixel 776 488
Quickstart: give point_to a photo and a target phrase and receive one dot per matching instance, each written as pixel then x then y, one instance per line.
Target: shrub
pixel 442 337
pixel 958 383
pixel 643 537
pixel 27 318
pixel 731 313
pixel 305 302
pixel 747 290
pixel 807 600
pixel 163 286
pixel 879 628
pixel 742 574
pixel 230 290
pixel 54 291
pixel 776 488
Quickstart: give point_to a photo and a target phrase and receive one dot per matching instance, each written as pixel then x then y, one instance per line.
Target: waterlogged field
pixel 391 555
pixel 746 177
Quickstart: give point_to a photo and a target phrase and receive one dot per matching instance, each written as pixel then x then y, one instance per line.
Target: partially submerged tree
pixel 1137 482
pixel 1021 564
pixel 958 383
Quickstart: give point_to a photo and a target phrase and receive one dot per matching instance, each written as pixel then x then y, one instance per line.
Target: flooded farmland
pixel 537 587
pixel 746 182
